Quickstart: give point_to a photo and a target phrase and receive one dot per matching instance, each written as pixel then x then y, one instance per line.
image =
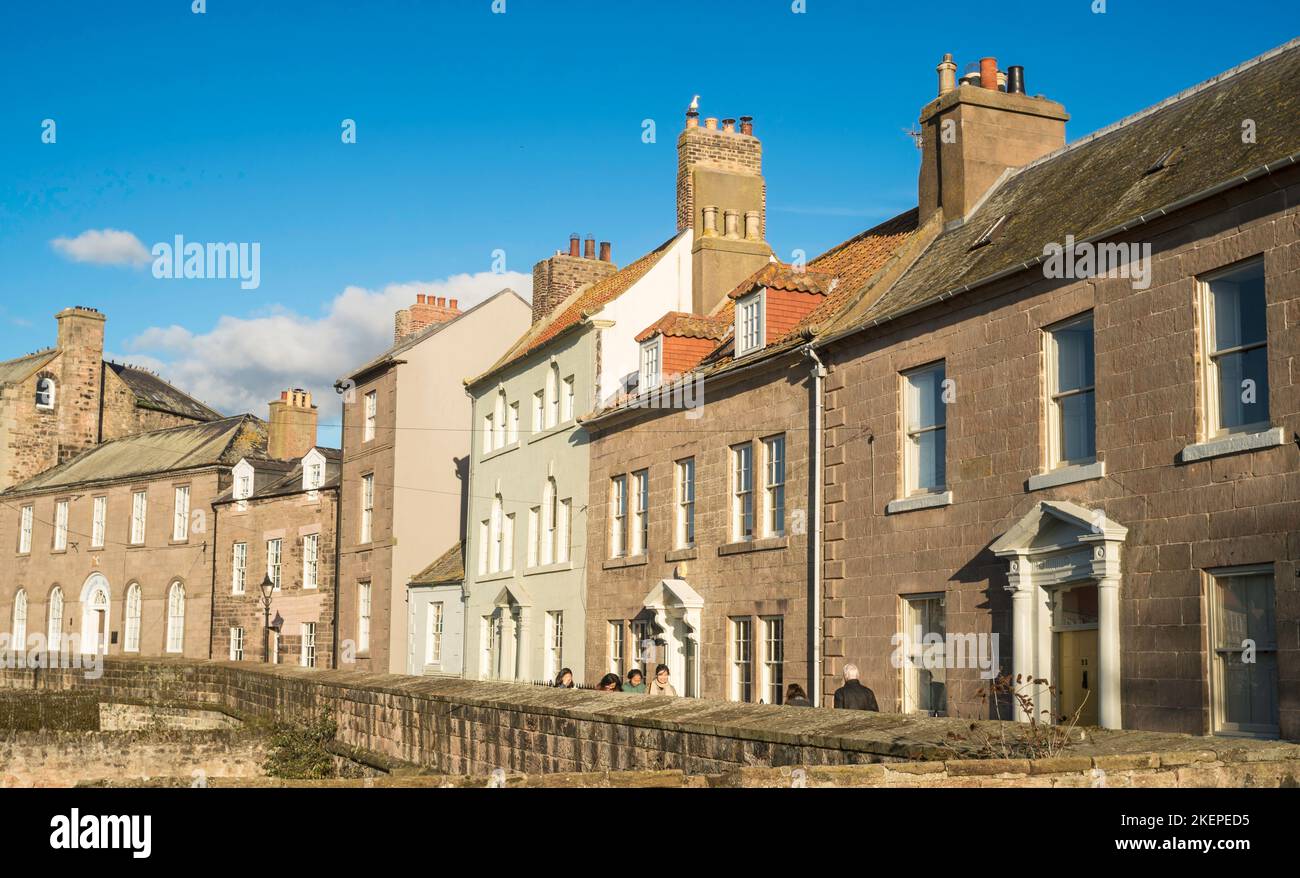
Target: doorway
pixel 94 615
pixel 1075 653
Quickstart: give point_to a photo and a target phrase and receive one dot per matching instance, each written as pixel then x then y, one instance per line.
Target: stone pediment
pixel 1055 526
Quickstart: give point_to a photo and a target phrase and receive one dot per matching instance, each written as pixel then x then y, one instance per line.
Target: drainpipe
pixel 815 477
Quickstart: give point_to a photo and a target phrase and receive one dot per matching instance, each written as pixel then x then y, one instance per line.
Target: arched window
pixel 550 516
pixel 20 619
pixel 553 395
pixel 54 629
pixel 44 392
pixel 132 642
pixel 176 618
pixel 497 535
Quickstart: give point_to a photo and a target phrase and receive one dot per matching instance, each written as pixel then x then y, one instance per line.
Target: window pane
pixel 1239 307
pixel 930 454
pixel 1241 403
pixel 1078 427
pixel 1074 357
pixel 927 398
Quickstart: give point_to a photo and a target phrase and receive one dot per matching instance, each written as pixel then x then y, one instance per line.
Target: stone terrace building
pixel 279 520
pixel 114 547
pixel 701 503
pixel 60 401
pixel 404 468
pixel 1101 471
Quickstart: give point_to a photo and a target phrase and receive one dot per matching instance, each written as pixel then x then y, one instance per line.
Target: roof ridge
pixel 1156 107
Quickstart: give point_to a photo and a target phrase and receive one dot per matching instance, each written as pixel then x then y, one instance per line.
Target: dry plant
pixel 1039 736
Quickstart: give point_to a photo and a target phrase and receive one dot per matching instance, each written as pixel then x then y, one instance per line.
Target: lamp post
pixel 268 587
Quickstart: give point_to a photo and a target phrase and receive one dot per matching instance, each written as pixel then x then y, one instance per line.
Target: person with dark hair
pixel 564 679
pixel 635 682
pixel 610 683
pixel 660 685
pixel 853 695
pixel 796 697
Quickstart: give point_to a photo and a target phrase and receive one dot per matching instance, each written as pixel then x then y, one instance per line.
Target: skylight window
pixel 992 233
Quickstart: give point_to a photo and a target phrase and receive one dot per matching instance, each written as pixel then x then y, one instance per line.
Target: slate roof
pixel 449 568
pixel 581 304
pixel 152 392
pixel 1106 180
pixel 283 478
pixel 19 369
pixel 194 446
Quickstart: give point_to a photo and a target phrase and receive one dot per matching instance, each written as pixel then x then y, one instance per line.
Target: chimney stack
pixel 994 130
pixel 291 430
pixel 557 278
pixel 426 311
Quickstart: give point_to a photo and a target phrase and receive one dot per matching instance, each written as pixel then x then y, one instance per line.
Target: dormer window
pixel 749 323
pixel 45 393
pixel 652 363
pixel 243 474
pixel 313 471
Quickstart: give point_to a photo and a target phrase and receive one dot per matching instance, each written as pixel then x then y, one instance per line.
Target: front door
pixel 1076 662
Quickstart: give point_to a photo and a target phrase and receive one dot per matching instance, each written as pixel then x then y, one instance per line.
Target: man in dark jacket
pixel 853 695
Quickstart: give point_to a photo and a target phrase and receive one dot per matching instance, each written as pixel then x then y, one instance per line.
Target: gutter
pixel 1144 219
pixel 815 476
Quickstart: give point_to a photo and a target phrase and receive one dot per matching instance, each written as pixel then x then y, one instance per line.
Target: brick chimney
pixel 291 431
pixel 426 311
pixel 720 175
pixel 558 277
pixel 81 341
pixel 994 126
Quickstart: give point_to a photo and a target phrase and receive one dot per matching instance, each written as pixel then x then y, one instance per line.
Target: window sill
pixel 759 545
pixel 1233 443
pixel 549 568
pixel 920 501
pixel 494 577
pixel 561 427
pixel 497 452
pixel 625 561
pixel 1068 475
pixel 690 553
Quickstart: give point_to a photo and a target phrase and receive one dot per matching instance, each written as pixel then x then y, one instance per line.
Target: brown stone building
pixel 1072 423
pixel 279 520
pixel 114 547
pixel 58 402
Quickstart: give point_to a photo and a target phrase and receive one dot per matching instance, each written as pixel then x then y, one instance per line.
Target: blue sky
pixel 476 132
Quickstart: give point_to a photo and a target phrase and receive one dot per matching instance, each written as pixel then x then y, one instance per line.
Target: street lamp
pixel 268 587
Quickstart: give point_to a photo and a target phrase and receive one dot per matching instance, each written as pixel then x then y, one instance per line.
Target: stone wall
pixel 474 728
pixel 61 759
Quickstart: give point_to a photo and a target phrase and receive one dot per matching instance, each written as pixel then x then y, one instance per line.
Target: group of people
pixel 851 696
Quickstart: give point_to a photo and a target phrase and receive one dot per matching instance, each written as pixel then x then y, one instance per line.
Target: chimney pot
pixel 573 244
pixel 729 126
pixel 732 220
pixel 1016 79
pixel 453 305
pixel 604 251
pixel 947 70
pixel 751 225
pixel 747 125
pixel 419 298
pixel 989 73
pixel 692 118
pixel 711 123
pixel 589 248
pixel 710 221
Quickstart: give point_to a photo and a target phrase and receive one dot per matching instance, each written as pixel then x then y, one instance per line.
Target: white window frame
pixel 1055 439
pixel 771 670
pixel 367 508
pixel 512 429
pixel 912 431
pixel 550 522
pixel 310 560
pixel 20 620
pixel 98 521
pixel 176 617
pixel 497 536
pixel 236 643
pixel 534 536
pixel 371 415
pixel 60 525
pixel 552 395
pixel 27 519
pixel 275 560
pixel 562 531
pixel 181 514
pixel 685 524
pixel 134 605
pixel 751 322
pixel 554 643
pixel 1213 427
pixel 740 664
pixel 363 616
pixel 640 544
pixel 307 645
pixel 54 620
pixel 239 567
pixel 652 365
pixel 499 418
pixel 914 659
pixel 742 492
pixel 618 520
pixel 489 433
pixel 51 393
pixel 567 400
pixel 539 411
pixel 433 631
pixel 617 644
pixel 775 464
pixel 139 517
pixel 1222 652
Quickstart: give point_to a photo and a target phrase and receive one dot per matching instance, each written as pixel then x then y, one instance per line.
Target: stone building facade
pixel 60 401
pixel 1097 471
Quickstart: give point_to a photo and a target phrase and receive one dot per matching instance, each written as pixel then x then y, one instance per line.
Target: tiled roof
pixel 680 324
pixel 20 369
pixel 449 568
pixel 582 303
pixel 1106 180
pixel 151 392
pixel 194 446
pixel 780 276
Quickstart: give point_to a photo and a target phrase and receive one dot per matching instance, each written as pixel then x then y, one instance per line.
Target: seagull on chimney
pixel 695 103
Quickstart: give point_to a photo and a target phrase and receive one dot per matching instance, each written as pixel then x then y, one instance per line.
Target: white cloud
pixel 103 247
pixel 242 363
